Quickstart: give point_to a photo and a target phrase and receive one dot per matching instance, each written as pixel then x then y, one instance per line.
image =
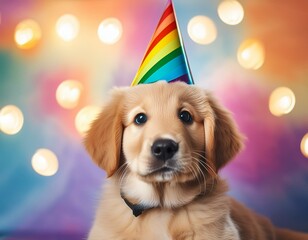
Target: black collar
pixel 137 209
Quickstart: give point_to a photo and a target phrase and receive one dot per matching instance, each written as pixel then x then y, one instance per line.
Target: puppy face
pixel 163 133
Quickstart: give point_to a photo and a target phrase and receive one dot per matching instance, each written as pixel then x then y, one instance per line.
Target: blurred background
pixel 59 58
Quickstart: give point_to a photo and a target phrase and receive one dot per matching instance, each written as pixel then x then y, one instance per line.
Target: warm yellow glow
pixel 27 34
pixel 45 162
pixel 67 27
pixel 85 117
pixel 281 101
pixel 110 31
pixel 11 119
pixel 68 93
pixel 251 54
pixel 304 145
pixel 231 12
pixel 202 30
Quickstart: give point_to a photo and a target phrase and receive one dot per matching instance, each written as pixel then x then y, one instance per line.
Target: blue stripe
pixel 170 71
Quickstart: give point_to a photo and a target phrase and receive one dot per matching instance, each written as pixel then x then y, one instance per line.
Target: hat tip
pixel 165 57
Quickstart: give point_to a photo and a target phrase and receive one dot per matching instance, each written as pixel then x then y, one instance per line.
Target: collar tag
pixel 137 209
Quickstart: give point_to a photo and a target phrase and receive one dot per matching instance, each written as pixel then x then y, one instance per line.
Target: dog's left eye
pixel 185 117
pixel 140 118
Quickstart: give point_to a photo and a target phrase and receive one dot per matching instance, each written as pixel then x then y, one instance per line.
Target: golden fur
pixel 183 197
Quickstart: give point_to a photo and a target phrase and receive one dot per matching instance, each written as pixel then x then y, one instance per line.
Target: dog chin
pixel 161 175
pixel 166 176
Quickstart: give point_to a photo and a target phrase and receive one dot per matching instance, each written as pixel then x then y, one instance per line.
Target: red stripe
pixel 159 37
pixel 167 12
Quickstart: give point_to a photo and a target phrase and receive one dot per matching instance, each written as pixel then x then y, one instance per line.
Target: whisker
pixel 193 166
pixel 199 176
pixel 122 171
pixel 199 165
pixel 205 162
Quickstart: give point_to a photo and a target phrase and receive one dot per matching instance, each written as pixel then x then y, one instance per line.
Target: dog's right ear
pixel 103 140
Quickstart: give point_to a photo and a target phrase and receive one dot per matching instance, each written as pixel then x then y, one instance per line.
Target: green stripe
pixel 175 53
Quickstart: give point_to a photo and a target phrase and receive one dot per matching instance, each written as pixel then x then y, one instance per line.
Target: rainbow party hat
pixel 165 58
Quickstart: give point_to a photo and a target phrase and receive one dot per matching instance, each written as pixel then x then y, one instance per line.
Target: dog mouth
pixel 170 171
pixel 161 174
pixel 162 170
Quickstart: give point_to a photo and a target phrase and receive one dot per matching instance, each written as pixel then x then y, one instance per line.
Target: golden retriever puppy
pixel 162 146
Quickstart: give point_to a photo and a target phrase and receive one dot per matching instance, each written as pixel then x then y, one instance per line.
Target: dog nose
pixel 164 149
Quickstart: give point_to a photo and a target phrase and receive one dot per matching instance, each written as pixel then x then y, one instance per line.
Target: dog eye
pixel 185 117
pixel 140 118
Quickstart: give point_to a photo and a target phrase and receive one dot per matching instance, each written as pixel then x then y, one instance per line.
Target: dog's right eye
pixel 140 119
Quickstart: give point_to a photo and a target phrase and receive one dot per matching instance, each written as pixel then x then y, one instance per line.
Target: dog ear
pixel 103 140
pixel 223 140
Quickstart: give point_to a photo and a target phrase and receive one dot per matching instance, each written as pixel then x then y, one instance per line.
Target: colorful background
pixel 271 173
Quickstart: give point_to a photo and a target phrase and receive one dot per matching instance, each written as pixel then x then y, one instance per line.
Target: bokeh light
pixel 67 27
pixel 304 145
pixel 85 117
pixel 251 54
pixel 11 119
pixel 281 101
pixel 230 12
pixel 45 162
pixel 68 93
pixel 27 34
pixel 110 31
pixel 202 30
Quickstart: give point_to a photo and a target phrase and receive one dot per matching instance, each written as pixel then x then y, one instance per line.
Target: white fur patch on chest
pixel 145 194
pixel 141 191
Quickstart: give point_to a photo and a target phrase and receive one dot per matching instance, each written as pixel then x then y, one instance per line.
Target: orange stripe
pixel 169 10
pixel 163 25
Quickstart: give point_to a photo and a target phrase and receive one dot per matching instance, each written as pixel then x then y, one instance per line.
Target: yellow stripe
pixel 165 46
pixel 160 55
pixel 136 80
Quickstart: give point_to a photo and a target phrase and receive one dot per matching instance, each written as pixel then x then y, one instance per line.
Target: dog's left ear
pixel 103 140
pixel 223 139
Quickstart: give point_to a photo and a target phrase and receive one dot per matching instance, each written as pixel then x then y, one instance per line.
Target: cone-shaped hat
pixel 165 58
